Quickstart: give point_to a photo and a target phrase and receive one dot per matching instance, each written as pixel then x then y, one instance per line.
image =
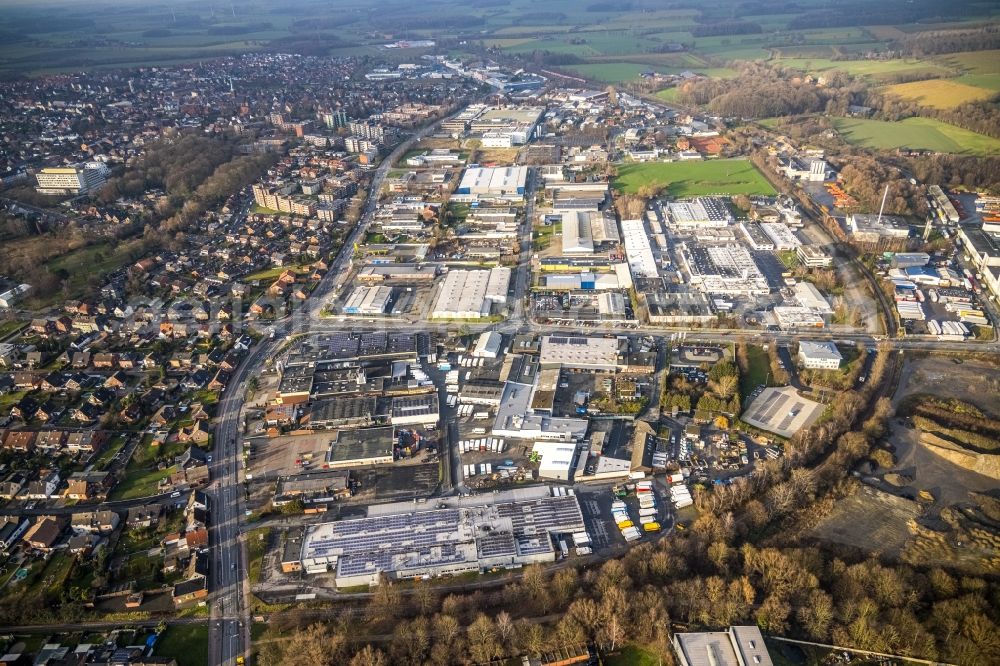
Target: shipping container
pixel 647 511
pixel 583 550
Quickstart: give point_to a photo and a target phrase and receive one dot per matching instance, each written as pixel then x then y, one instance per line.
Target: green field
pixel 615 72
pixel 867 68
pixel 758 374
pixel 188 644
pixel 689 179
pixel 917 134
pixel 632 655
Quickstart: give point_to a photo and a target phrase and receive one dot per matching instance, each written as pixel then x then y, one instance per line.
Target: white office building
pixel 819 355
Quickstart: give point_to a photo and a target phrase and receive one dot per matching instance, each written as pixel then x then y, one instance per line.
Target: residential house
pixel 45 533
pixel 12 485
pixel 12 528
pixel 20 440
pixel 44 486
pixel 99 522
pixel 143 516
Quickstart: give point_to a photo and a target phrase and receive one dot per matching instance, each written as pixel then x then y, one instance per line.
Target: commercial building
pixel 471 294
pixel 368 300
pixel 796 168
pixel 452 535
pixel 70 180
pixel 819 355
pixel 399 273
pixel 580 352
pixel 812 256
pixel 738 646
pixel 500 182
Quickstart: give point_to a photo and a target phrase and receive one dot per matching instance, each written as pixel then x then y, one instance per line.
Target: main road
pixel 229 629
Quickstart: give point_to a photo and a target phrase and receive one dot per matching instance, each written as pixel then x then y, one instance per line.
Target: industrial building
pixel 501 182
pixel 738 646
pixel 580 352
pixel 782 411
pixel 471 294
pixel 452 535
pixel 819 355
pixel 875 228
pixel 356 448
pixel 702 212
pixel 584 231
pixel 722 269
pixel 506 127
pixel 780 235
pixel 399 273
pixel 795 316
pixel 368 300
pixel 808 296
pixel 555 459
pixel 488 345
pixel 415 410
pixel 516 420
pixel 637 250
pixel 796 168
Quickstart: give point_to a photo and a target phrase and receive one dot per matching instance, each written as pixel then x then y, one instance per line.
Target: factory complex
pixel 452 535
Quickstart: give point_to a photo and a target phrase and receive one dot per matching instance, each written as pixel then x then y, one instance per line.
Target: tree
pixel 484 643
pixel 367 656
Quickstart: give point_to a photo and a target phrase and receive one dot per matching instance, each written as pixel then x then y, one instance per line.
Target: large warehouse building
pixel 502 182
pixel 368 300
pixel 471 294
pixel 458 535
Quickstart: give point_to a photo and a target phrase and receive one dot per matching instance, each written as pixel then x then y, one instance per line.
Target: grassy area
pixel 615 72
pixel 756 374
pixel 940 93
pixel 256 547
pixel 788 258
pixel 188 644
pixel 9 326
pixel 668 94
pixel 632 655
pixel 264 210
pixel 916 133
pixel 81 269
pixel 140 483
pixel 688 179
pixel 110 451
pixel 269 274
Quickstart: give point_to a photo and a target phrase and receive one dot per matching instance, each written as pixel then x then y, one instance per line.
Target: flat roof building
pixel 470 294
pixel 555 459
pixel 494 181
pixel 355 448
pixel 780 235
pixel 738 646
pixel 641 262
pixel 874 228
pixel 580 352
pixel 453 535
pixel 368 300
pixel 703 211
pixel 415 410
pixel 69 180
pixel 813 256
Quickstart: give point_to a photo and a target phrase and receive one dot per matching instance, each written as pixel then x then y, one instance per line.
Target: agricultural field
pixel 615 72
pixel 690 179
pixel 939 93
pixel 915 133
pixel 866 68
